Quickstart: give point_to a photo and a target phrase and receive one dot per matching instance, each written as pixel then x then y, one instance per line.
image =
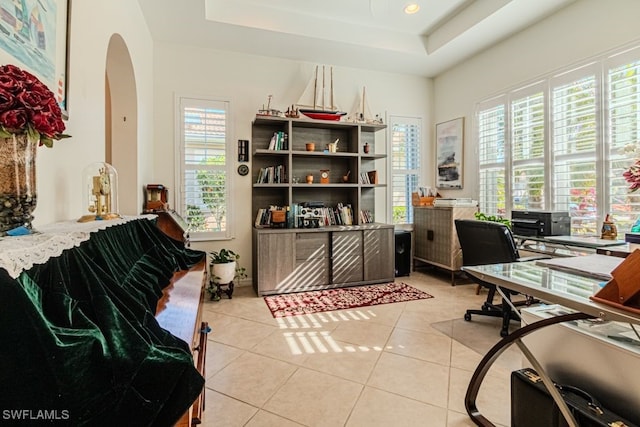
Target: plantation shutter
pixel 491 148
pixel 204 186
pixel 405 165
pixel 575 134
pixel 528 150
pixel 623 101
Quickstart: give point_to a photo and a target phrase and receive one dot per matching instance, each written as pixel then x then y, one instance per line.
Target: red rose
pixel 7 100
pixel 45 123
pixel 32 101
pixel 15 72
pixel 25 102
pixel 15 119
pixel 10 84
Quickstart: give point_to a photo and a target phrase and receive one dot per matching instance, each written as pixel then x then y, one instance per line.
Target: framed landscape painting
pixel 33 36
pixel 449 153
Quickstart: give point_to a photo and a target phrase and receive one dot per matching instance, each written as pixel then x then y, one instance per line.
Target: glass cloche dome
pixel 100 192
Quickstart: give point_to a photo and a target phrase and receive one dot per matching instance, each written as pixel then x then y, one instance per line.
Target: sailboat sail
pixel 318 108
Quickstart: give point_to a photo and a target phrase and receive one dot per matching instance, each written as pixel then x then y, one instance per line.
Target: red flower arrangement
pixel 632 176
pixel 28 106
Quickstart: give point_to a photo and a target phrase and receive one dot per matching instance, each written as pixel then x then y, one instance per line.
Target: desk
pixel 553 286
pixel 563 246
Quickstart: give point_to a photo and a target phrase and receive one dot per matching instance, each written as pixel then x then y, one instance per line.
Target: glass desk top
pixel 553 286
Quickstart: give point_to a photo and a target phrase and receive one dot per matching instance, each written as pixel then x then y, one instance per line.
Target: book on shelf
pixel 279 141
pixel 366 217
pixel 272 175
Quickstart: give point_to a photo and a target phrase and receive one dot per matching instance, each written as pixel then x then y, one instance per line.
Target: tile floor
pixel 386 365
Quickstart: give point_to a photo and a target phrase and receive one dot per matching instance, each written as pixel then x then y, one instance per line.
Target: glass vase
pixel 17 183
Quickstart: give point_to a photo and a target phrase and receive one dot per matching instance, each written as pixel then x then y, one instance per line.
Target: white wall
pixel 59 170
pixel 582 30
pixel 246 81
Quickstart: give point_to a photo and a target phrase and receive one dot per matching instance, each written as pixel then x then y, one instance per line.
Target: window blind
pixel 203 180
pixel 528 152
pixel 574 136
pixel 405 165
pixel 623 89
pixel 491 146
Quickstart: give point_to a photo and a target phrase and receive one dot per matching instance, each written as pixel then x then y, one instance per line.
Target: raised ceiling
pixel 369 34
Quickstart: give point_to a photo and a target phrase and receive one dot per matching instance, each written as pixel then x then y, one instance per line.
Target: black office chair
pixel 487 242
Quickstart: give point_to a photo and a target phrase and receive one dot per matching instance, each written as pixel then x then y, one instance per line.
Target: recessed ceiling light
pixel 411 8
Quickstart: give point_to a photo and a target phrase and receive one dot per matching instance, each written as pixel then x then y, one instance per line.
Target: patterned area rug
pixel 341 299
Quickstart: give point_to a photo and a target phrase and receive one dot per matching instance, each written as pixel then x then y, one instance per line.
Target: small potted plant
pixel 223 269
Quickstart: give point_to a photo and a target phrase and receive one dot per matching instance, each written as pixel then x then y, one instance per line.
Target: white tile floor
pixel 383 365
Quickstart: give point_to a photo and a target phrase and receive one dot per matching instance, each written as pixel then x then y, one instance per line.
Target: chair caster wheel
pixel 467 317
pixel 504 332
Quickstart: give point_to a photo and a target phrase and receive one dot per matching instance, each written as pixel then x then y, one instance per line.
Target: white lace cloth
pixel 18 253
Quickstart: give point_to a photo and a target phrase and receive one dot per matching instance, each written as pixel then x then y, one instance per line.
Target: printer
pixel 540 223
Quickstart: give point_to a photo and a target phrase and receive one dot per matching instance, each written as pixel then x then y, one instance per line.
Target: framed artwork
pixel 33 36
pixel 449 153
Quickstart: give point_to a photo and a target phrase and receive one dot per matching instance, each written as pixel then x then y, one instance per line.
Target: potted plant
pixel 223 269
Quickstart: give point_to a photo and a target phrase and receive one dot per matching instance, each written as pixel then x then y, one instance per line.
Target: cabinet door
pixel 420 216
pixel 312 261
pixel 347 256
pixel 379 255
pixel 439 240
pixel 275 262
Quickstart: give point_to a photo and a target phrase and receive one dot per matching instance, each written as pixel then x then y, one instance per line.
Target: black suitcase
pixel 533 406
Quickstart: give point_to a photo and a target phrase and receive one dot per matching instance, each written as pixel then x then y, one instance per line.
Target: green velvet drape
pixel 78 336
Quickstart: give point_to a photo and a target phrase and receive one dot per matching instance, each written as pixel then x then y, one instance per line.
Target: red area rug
pixel 342 298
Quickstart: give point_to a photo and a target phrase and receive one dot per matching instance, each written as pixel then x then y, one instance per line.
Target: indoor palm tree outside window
pixel 204 148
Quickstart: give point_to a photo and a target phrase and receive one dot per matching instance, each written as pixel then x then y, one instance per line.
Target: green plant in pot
pixel 495 218
pixel 223 269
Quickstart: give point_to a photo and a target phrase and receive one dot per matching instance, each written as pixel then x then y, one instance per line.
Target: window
pixel 564 144
pixel 623 95
pixel 491 124
pixel 527 150
pixel 203 169
pixel 575 149
pixel 405 165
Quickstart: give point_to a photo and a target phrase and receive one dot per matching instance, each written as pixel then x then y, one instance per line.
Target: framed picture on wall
pixel 449 153
pixel 33 36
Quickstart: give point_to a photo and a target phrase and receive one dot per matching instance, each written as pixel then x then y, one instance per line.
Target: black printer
pixel 540 223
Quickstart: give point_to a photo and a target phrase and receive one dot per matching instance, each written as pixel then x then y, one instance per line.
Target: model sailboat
pixel 319 109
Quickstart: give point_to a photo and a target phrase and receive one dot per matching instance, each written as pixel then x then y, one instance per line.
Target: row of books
pixel 338 215
pixel 272 175
pixel 273 216
pixel 279 141
pixel 370 177
pixel 366 217
pixel 301 216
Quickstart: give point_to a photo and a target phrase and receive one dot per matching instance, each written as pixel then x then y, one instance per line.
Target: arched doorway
pixel 121 124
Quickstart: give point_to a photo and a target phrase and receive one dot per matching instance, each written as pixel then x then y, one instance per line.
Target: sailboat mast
pixel 315 89
pixel 323 90
pixel 363 102
pixel 333 106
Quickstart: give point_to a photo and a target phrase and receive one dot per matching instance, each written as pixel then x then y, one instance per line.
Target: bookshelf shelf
pixel 348 206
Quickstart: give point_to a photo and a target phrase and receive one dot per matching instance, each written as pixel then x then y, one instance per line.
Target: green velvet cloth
pixel 78 334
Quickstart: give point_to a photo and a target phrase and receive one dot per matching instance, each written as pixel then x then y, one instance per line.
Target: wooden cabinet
pixel 379 254
pixel 296 260
pixel 279 170
pixel 347 257
pixel 179 310
pixel 350 250
pixel 436 240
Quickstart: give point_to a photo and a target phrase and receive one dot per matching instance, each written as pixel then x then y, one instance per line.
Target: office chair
pixel 487 242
